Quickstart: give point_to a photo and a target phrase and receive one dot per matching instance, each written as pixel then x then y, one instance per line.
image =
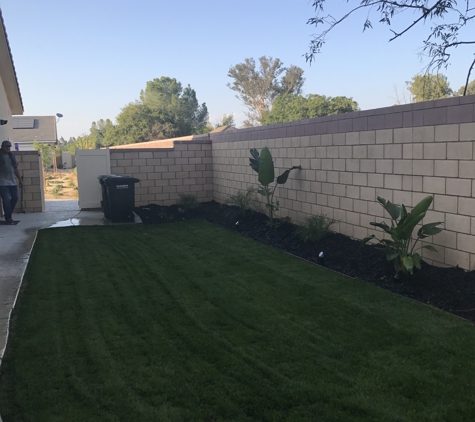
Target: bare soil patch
pixel 61 185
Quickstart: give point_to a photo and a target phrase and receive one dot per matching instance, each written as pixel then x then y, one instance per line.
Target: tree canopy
pixel 291 107
pixel 165 110
pixel 429 87
pixel 98 132
pixel 470 89
pixel 81 142
pixel 258 88
pixel 226 120
pixel 46 151
pixel 450 28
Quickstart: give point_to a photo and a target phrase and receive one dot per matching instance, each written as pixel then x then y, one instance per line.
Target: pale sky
pixel 88 59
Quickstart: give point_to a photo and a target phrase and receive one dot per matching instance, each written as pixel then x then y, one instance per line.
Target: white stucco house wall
pixel 10 96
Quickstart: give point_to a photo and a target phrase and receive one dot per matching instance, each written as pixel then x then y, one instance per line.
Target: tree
pixel 167 102
pixel 429 87
pixel 258 88
pixel 439 44
pixel 85 142
pixel 226 120
pixel 466 89
pixel 165 110
pixel 45 151
pixel 81 142
pixel 288 108
pixel 99 130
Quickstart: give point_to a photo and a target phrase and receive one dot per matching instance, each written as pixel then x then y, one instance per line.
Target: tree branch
pixel 468 77
pixel 438 44
pixel 423 16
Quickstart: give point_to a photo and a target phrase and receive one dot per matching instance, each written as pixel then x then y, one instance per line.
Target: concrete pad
pixel 10 267
pixel 8 291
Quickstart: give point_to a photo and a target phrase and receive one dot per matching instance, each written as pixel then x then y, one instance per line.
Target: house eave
pixel 8 73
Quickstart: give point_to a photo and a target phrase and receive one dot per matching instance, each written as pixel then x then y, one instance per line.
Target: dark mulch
pixel 449 289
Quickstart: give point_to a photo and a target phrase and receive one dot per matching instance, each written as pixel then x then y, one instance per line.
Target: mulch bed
pixel 449 289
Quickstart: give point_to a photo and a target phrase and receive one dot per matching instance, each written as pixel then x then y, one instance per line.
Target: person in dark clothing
pixel 8 184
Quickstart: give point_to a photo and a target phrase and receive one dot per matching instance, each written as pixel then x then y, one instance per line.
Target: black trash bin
pixel 118 197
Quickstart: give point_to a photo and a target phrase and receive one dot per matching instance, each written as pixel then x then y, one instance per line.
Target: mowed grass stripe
pixel 191 322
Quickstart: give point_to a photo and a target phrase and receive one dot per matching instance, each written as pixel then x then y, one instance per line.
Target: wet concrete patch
pixel 13 267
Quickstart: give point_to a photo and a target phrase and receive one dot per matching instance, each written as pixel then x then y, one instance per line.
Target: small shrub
pixel 314 228
pixel 401 248
pixel 244 201
pixel 187 201
pixel 57 190
pixel 278 221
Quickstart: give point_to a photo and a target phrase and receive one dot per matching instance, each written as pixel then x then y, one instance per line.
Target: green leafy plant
pixel 244 201
pixel 263 164
pixel 401 248
pixel 187 201
pixel 314 228
pixel 57 190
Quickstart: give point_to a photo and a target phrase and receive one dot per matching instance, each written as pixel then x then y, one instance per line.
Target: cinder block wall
pixel 401 153
pixel 166 173
pixel 29 165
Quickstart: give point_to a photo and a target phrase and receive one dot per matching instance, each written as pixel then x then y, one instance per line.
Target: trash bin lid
pixel 112 179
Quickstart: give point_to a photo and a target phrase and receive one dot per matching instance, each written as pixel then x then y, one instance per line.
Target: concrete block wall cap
pixel 403 107
pixel 467 99
pixel 352 115
pixel 314 120
pixel 368 113
pixel 423 105
pixel 321 127
pixel 445 102
pixel 346 124
pixel 393 121
pixel 465 116
pixel 387 110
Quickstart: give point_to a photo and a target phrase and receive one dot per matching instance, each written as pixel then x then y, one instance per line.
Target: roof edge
pixel 16 104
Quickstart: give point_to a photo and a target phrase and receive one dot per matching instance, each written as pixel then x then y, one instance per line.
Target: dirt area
pixel 61 185
pixel 450 289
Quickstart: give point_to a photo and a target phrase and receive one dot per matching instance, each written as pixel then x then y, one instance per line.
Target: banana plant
pixel 401 248
pixel 263 164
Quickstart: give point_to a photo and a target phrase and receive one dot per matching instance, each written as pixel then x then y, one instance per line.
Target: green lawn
pixel 190 322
